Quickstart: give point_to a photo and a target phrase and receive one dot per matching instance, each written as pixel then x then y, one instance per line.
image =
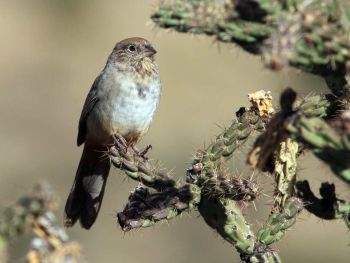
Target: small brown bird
pixel 122 100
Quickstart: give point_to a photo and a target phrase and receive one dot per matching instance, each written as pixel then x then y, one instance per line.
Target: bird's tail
pixel 85 198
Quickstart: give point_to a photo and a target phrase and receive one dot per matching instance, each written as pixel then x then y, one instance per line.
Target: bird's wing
pixel 89 104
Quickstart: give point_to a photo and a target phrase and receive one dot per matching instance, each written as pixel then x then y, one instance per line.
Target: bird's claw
pixel 112 151
pixel 120 143
pixel 143 153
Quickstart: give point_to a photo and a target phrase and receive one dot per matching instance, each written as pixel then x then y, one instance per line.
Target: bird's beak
pixel 149 51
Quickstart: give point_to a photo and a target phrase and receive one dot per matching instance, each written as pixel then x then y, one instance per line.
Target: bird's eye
pixel 131 48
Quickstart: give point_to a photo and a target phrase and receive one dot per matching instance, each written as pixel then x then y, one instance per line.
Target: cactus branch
pixel 277 223
pixel 311 35
pixel 206 169
pixel 226 217
pixel 285 172
pixel 219 196
pixel 145 207
pixel 140 169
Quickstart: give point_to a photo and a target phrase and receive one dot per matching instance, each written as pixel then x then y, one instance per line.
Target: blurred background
pixel 51 52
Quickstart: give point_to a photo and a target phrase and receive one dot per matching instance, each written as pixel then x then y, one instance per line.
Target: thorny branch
pixel 310 35
pixel 219 196
pixel 204 177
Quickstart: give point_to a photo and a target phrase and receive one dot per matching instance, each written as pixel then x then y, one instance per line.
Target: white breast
pixel 126 105
pixel 134 106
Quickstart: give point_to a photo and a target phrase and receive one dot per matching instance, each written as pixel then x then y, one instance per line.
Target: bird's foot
pixel 143 153
pixel 120 143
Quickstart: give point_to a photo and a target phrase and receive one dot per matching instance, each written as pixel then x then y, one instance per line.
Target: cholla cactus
pixel 313 36
pixel 32 213
pixel 220 197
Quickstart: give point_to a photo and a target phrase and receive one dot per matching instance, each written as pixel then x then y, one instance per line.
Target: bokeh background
pixel 50 53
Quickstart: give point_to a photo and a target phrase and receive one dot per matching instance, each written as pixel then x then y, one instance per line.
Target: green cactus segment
pixel 278 223
pixel 206 170
pixel 212 17
pixel 325 142
pixel 316 106
pixel 312 36
pixel 325 42
pixel 226 217
pixel 139 169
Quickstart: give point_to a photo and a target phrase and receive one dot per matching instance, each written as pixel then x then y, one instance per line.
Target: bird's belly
pixel 132 113
pixel 127 111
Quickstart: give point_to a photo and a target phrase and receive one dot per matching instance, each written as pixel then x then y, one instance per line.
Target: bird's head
pixel 136 52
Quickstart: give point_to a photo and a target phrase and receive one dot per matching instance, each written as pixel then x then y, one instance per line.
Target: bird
pixel 122 100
